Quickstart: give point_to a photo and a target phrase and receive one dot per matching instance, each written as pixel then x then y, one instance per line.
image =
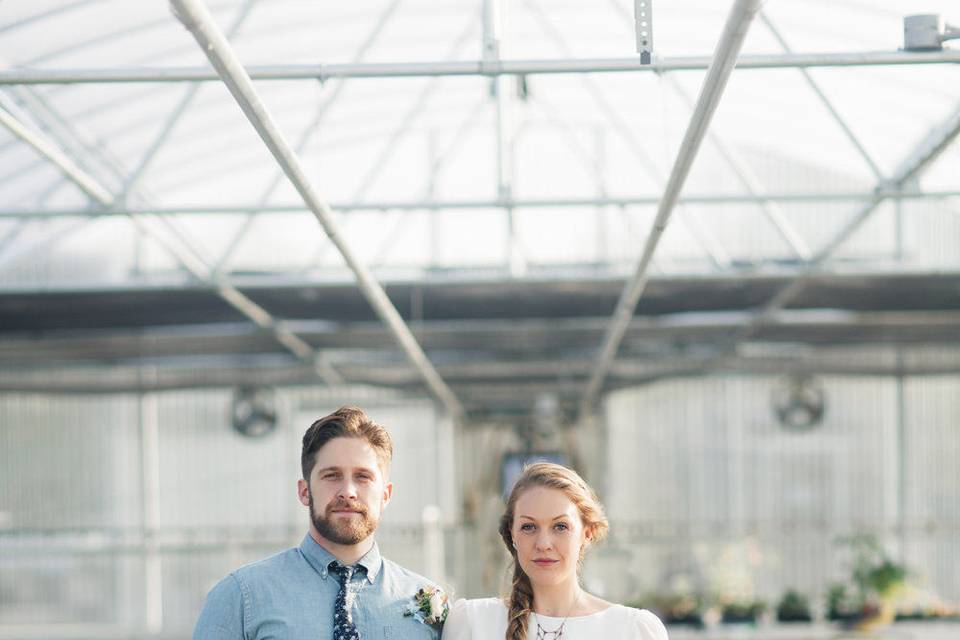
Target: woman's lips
pixel 545 562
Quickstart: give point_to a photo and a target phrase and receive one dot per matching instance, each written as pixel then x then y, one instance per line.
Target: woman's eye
pixel 526 527
pixel 561 526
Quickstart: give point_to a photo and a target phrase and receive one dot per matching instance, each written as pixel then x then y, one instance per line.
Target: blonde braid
pixel 521 603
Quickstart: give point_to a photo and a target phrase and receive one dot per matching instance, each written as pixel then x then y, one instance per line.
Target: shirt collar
pixel 319 558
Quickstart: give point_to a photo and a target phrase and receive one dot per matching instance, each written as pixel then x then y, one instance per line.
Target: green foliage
pixel 743 611
pixel 676 608
pixel 873 571
pixel 793 606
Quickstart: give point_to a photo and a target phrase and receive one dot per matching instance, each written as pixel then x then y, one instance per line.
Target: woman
pixel 552 516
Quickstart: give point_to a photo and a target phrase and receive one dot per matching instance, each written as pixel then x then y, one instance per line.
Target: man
pixel 335 585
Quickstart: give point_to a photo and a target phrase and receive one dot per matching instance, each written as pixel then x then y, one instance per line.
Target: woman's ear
pixel 588 535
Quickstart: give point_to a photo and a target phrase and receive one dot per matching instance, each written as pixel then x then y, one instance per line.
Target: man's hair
pixel 345 422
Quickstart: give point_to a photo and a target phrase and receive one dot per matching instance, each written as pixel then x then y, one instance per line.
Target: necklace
pixel 556 634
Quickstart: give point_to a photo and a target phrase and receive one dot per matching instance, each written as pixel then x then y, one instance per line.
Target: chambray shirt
pixel 290 596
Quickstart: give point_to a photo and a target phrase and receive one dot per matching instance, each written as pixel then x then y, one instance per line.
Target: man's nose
pixel 348 489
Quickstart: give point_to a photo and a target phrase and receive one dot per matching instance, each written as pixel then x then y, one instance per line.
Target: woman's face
pixel 548 534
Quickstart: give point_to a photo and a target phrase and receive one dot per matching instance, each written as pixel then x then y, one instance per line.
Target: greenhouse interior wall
pixel 119 512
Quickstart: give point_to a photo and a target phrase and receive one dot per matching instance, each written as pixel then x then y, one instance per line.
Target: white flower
pixel 437 603
pixel 429 606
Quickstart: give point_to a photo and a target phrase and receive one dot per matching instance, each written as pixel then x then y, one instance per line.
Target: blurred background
pixel 766 397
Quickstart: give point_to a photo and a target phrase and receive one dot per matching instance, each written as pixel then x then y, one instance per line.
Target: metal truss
pixel 133 202
pixel 102 196
pixel 922 156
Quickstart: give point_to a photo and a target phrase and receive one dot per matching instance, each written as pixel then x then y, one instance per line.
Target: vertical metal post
pixel 150 499
pixel 901 447
pixel 493 20
pixel 434 553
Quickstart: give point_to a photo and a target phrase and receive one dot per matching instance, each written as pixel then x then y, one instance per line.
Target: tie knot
pixel 345 572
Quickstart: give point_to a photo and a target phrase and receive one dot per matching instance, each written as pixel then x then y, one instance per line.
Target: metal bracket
pixel 927 32
pixel 643 16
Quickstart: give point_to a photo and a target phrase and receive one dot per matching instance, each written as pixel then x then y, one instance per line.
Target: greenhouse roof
pixel 491 181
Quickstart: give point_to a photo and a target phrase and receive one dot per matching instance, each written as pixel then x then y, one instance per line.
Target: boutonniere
pixel 429 606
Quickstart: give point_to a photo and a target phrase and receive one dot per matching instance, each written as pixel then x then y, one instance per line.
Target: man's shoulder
pixel 277 563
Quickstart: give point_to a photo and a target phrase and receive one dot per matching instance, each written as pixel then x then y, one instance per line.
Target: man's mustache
pixel 339 505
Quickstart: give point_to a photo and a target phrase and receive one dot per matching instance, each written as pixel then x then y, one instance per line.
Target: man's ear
pixel 303 492
pixel 387 493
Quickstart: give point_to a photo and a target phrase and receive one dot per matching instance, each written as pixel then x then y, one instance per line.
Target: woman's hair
pixel 551 476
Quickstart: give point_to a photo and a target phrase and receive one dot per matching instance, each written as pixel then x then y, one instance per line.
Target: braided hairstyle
pixel 551 476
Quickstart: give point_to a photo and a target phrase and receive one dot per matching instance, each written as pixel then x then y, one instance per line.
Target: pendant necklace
pixel 556 634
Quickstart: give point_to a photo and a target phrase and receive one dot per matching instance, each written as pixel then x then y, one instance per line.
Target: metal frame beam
pixel 197 19
pixel 749 180
pixel 253 212
pixel 197 268
pixel 886 192
pixel 826 102
pixel 724 58
pixel 324 72
pixel 922 156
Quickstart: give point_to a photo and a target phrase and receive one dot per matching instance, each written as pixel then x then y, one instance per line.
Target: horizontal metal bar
pixel 470 380
pixel 323 72
pixel 524 203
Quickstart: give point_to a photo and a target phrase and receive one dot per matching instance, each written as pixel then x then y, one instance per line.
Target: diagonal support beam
pixel 922 156
pixel 197 268
pixel 724 58
pixel 186 100
pixel 90 186
pixel 223 264
pixel 197 19
pixel 826 102
pixel 699 232
pixel 751 183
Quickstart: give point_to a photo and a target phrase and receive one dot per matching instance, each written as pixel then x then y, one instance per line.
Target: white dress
pixel 486 619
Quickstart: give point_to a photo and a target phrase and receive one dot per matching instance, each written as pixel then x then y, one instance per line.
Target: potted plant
pixel 742 611
pixel 675 608
pixel 793 607
pixel 842 606
pixel 878 579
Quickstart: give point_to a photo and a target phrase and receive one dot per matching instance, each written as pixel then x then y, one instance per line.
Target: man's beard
pixel 344 530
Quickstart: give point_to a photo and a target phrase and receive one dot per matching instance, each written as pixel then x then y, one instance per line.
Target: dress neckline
pixel 583 617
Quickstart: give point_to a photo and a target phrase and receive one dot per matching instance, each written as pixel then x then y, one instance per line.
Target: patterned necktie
pixel 343 627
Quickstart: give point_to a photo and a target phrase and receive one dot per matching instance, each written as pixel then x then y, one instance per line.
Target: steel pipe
pixel 724 58
pixel 455 205
pixel 324 72
pixel 197 19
